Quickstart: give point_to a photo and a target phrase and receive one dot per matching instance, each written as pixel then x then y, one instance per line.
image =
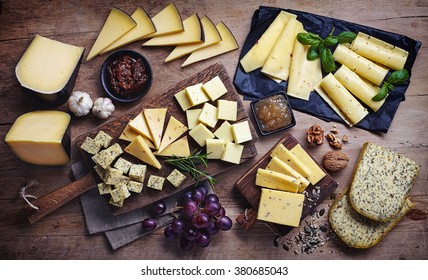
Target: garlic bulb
pixel 80 103
pixel 103 108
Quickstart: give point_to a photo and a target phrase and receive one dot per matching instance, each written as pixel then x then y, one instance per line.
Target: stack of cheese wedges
pixel 376 199
pixel 194 36
pixel 364 65
pixel 287 175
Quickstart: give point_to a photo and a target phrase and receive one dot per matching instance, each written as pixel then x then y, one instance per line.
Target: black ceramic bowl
pixel 283 120
pixel 125 95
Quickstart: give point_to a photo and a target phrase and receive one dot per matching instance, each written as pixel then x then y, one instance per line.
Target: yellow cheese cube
pixel 278 165
pixel 90 146
pixel 215 148
pixel 227 110
pixel 275 180
pixel 232 152
pixel 183 100
pixel 241 132
pixel 208 115
pixel 200 134
pixel 280 207
pixel 224 131
pixel 193 117
pixel 214 88
pixel 196 95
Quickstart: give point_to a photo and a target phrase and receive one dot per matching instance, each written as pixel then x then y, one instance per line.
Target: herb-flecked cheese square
pixel 112 176
pixel 135 187
pixel 90 146
pixel 116 195
pixel 155 182
pixel 137 172
pixel 123 190
pixel 176 178
pixel 99 170
pixel 103 139
pixel 118 203
pixel 103 188
pixel 123 165
pixel 103 159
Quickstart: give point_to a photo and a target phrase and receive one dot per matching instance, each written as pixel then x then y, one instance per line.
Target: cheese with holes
pixel 117 24
pixel 277 165
pixel 316 172
pixel 292 160
pixel 211 35
pixel 139 149
pixel 280 207
pixel 196 95
pixel 173 131
pixel 167 21
pixel 179 148
pixel 144 27
pixel 47 66
pixel 208 115
pixel 155 119
pixel 232 152
pixel 41 137
pixel 275 180
pixel 200 134
pixel 214 88
pixel 192 33
pixel 227 44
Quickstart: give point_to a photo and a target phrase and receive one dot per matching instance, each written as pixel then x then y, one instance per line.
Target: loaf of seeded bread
pixel 356 230
pixel 381 183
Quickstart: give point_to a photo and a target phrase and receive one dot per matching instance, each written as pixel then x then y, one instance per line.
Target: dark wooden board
pixel 251 192
pixel 167 100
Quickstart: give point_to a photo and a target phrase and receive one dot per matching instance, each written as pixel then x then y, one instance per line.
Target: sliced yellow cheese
pixel 196 95
pixel 183 100
pixel 139 149
pixel 192 116
pixel 289 158
pixel 179 148
pixel 167 21
pixel 379 51
pixel 259 53
pixel 200 134
pixel 316 172
pixel 173 131
pixel 362 89
pixel 211 35
pixel 214 88
pixel 215 148
pixel 275 164
pixel 139 124
pixel 360 65
pixel 232 152
pixel 275 180
pixel 192 33
pixel 280 207
pixel 347 103
pixel 227 44
pixel 208 115
pixel 279 60
pixel 129 134
pixel 40 137
pixel 117 24
pixel 224 132
pixel 155 119
pixel 144 27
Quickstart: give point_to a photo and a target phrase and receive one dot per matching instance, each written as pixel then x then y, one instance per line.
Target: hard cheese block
pixel 280 207
pixel 47 65
pixel 41 138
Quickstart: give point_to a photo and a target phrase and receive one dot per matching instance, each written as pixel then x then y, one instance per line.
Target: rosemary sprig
pixel 190 165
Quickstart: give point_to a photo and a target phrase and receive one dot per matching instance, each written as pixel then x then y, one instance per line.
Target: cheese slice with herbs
pixel 139 124
pixel 139 149
pixel 128 134
pixel 167 21
pixel 277 165
pixel 291 159
pixel 275 180
pixel 155 119
pixel 316 172
pixel 118 23
pixel 179 148
pixel 173 131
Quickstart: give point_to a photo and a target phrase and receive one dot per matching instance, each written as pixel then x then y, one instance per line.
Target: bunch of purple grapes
pixel 201 217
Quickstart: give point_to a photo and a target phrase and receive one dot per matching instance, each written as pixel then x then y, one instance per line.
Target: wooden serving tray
pixel 251 192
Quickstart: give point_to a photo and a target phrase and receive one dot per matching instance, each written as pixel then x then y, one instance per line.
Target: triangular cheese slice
pixel 117 24
pixel 155 119
pixel 179 148
pixel 139 149
pixel 212 36
pixel 193 33
pixel 128 134
pixel 173 130
pixel 167 21
pixel 144 27
pixel 227 44
pixel 139 124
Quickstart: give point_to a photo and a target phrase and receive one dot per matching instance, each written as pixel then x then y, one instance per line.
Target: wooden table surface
pixel 63 234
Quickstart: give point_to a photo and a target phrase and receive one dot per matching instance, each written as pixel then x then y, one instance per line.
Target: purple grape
pixel 186 196
pixel 204 191
pixel 198 195
pixel 186 244
pixel 224 223
pixel 211 197
pixel 212 208
pixel 190 234
pixel 170 233
pixel 221 213
pixel 178 225
pixel 200 220
pixel 211 229
pixel 190 208
pixel 203 240
pixel 149 224
pixel 158 208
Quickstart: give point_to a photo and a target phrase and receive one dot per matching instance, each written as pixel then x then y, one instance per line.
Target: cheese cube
pixel 137 172
pixel 107 156
pixel 241 132
pixel 112 176
pixel 215 148
pixel 224 132
pixel 176 178
pixel 123 191
pixel 118 203
pixel 103 188
pixel 227 110
pixel 232 152
pixel 103 139
pixel 200 134
pixel 208 115
pixel 135 187
pixel 193 117
pixel 123 165
pixel 214 88
pixel 155 182
pixel 196 95
pixel 183 100
pixel 90 146
pixel 123 180
pixel 116 195
pixel 275 180
pixel 280 207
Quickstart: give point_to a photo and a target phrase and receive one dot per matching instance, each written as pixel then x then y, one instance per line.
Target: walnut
pixel 345 139
pixel 315 135
pixel 334 141
pixel 335 160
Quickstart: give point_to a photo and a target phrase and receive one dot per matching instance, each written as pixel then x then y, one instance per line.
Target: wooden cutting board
pixel 251 192
pixel 167 100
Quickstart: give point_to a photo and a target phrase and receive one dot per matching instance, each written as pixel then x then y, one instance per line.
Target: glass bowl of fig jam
pixel 126 76
pixel 273 113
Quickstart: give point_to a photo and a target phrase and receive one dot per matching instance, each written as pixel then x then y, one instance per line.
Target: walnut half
pixel 315 135
pixel 335 160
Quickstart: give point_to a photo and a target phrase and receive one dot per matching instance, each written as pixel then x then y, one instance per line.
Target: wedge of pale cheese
pixel 173 131
pixel 179 148
pixel 155 119
pixel 167 21
pixel 128 134
pixel 139 124
pixel 117 24
pixel 139 149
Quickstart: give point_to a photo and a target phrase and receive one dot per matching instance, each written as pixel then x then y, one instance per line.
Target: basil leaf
pixel 383 92
pixel 327 60
pixel 312 53
pixel 308 38
pixel 346 37
pixel 398 77
pixel 390 87
pixel 330 41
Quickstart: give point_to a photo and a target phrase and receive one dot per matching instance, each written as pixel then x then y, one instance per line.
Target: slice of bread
pixel 356 230
pixel 381 182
